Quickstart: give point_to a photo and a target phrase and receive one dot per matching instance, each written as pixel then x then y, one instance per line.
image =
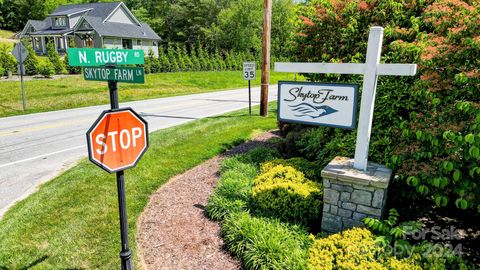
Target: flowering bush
pixel 426 127
pixel 353 249
pixel 284 193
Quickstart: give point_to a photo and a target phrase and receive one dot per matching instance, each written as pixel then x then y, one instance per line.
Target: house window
pixel 139 42
pixel 127 44
pixel 60 22
pixel 85 25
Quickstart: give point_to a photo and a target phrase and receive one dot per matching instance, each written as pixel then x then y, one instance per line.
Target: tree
pixel 180 58
pixel 164 62
pixel 239 26
pixel 31 62
pixel 172 58
pixel 55 59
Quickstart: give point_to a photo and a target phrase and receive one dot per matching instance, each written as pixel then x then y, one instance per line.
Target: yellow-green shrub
pixel 284 192
pixel 310 170
pixel 353 249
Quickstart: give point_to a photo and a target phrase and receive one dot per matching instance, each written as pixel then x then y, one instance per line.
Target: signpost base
pixel 350 195
pixel 126 253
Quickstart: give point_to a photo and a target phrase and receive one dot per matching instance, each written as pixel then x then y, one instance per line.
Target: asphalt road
pixel 35 148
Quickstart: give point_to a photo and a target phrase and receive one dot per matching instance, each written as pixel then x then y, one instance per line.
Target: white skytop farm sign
pixel 370 70
pixel 321 104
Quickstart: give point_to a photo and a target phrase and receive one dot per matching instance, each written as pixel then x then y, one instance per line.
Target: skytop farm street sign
pixel 119 74
pixel 98 57
pixel 321 104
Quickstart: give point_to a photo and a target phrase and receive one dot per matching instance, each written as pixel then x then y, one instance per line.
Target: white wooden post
pixel 370 70
pixel 374 49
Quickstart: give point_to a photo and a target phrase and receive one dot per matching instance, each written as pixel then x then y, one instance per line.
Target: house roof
pixel 70 11
pixel 113 29
pixel 52 32
pixel 101 10
pixel 96 15
pixel 38 25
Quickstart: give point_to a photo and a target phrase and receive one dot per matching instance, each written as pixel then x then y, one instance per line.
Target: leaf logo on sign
pixel 305 109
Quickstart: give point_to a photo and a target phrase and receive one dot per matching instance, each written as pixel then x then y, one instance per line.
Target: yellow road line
pixel 16 131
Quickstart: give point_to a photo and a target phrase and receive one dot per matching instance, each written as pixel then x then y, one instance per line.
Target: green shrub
pixel 308 168
pixel 259 155
pixel 390 231
pixel 285 193
pixel 55 59
pixel 7 61
pixel 2 70
pixel 438 257
pixel 46 68
pixel 234 190
pixel 71 69
pixel 263 243
pixel 353 249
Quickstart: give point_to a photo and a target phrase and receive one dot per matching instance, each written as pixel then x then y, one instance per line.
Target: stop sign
pixel 117 140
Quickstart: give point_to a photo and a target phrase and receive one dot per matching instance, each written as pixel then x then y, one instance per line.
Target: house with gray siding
pixel 94 25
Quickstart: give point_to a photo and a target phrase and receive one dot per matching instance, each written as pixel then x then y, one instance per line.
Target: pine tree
pixel 31 63
pixel 172 58
pixel 180 60
pixel 147 66
pixel 164 62
pixel 155 63
pixel 202 57
pixel 195 61
pixel 55 59
pixel 187 59
pixel 220 60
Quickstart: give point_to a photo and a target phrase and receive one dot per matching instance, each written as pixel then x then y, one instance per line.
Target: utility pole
pixel 267 21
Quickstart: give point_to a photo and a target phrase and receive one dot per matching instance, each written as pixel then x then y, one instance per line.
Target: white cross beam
pixel 370 71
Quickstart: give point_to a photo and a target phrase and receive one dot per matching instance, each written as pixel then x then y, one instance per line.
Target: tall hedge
pixel 427 127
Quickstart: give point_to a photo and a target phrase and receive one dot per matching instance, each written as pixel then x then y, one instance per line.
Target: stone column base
pixel 350 195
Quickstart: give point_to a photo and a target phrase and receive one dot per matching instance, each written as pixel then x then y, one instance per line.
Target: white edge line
pixel 41 156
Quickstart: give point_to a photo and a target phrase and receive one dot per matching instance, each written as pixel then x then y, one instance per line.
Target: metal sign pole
pixel 21 77
pixel 126 253
pixel 249 98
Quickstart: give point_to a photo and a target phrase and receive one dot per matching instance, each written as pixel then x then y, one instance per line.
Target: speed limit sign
pixel 249 72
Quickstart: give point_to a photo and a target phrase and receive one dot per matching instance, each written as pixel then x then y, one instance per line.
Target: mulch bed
pixel 173 231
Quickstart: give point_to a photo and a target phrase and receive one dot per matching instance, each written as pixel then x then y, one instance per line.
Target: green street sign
pixel 119 74
pixel 85 57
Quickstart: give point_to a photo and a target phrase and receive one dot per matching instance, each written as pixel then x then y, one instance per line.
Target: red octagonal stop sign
pixel 117 140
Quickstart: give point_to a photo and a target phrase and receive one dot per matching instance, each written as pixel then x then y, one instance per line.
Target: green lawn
pixel 6 34
pixel 6 40
pixel 72 221
pixel 74 92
